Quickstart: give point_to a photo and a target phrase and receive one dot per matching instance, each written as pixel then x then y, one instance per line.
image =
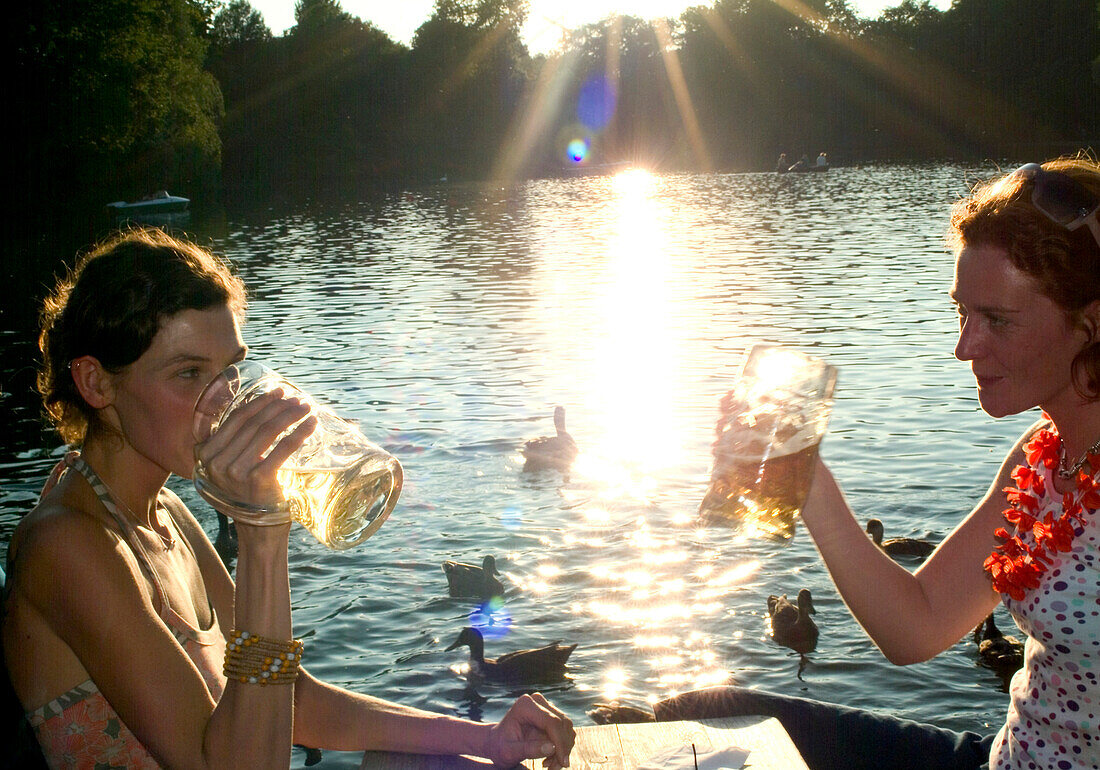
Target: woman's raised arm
pixel 910 616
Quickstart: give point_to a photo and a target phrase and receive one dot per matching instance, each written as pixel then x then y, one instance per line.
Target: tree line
pixel 116 98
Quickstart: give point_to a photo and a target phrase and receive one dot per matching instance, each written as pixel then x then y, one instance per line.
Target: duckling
pixel 899 546
pixel 792 625
pixel 538 665
pixel 472 580
pixel 1003 654
pixel 557 452
pixel 616 713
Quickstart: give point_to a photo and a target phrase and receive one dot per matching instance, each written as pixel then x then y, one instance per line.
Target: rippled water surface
pixel 451 320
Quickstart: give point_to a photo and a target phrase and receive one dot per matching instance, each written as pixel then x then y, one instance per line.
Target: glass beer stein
pixel 768 434
pixel 338 484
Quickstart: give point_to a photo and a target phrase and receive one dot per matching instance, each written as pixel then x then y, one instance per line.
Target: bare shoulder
pixel 54 530
pixel 73 570
pixel 1017 455
pixel 987 515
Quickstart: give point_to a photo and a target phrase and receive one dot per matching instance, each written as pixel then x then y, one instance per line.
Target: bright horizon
pixel 545 21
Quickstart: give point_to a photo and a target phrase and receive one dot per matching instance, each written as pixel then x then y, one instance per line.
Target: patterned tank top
pixel 1054 711
pixel 79 729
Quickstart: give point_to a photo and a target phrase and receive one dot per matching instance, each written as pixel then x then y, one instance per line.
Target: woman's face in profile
pixel 154 398
pixel 1019 343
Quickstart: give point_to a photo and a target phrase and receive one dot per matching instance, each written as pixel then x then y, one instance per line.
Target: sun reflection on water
pixel 669 598
pixel 620 341
pixel 617 329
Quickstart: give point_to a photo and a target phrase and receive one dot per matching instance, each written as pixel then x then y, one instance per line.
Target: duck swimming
pixel 899 546
pixel 1003 654
pixel 538 665
pixel 792 625
pixel 472 580
pixel 557 452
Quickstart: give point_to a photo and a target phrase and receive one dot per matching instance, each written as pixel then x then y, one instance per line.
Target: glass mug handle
pixel 219 396
pixel 338 485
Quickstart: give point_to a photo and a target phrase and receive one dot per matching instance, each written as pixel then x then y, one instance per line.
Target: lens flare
pixel 492 618
pixel 511 518
pixel 577 150
pixel 596 103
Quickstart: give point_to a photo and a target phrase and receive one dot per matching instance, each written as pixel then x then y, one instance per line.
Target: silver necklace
pixel 168 541
pixel 1070 472
pixel 112 502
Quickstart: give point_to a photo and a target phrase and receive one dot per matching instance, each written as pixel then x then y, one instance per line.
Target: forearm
pixel 253 723
pixel 332 718
pixel 910 617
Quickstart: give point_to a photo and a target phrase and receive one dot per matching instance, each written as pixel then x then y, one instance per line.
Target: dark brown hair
pixel 1064 264
pixel 111 306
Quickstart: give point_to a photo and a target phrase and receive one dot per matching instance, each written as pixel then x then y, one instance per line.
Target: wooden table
pixel 625 747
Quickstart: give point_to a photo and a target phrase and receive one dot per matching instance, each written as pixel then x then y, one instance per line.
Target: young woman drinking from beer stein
pixel 1027 290
pixel 126 640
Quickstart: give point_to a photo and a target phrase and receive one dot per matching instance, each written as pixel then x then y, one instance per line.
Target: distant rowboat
pixel 158 208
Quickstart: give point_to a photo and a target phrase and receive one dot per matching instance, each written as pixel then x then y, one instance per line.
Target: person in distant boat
pixel 822 160
pixel 126 640
pixel 1027 292
pixel 802 164
pixel 782 164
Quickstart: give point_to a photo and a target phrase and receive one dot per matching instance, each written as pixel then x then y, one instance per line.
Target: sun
pixel 547 20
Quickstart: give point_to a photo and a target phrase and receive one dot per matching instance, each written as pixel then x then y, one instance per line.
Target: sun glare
pixel 637 360
pixel 613 331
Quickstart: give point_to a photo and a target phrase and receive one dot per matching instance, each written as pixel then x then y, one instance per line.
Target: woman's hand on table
pixel 532 729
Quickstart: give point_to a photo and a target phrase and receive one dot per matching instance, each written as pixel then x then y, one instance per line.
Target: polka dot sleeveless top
pixel 1054 712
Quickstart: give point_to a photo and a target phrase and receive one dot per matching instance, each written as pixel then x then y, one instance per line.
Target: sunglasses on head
pixel 1062 199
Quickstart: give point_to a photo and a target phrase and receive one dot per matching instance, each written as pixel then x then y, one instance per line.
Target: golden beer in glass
pixel 766 442
pixel 338 485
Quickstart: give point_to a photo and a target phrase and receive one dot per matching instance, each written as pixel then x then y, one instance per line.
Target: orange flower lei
pixel 1014 565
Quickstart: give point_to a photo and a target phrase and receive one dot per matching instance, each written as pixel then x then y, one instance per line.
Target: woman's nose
pixel 969 344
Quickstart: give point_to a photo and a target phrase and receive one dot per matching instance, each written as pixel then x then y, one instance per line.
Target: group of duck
pixel 793 627
pixel 540 664
pixel 483 582
pixel 791 623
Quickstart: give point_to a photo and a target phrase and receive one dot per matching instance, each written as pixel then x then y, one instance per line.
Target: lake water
pixel 449 321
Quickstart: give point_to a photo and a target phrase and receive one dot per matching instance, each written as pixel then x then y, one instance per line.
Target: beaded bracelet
pixel 254 659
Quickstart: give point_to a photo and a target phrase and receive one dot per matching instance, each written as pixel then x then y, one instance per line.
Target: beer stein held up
pixel 338 484
pixel 768 433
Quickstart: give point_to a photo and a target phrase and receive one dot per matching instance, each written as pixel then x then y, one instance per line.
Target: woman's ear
pixel 93 382
pixel 1090 315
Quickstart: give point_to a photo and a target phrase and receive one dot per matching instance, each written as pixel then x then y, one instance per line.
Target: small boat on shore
pixel 158 208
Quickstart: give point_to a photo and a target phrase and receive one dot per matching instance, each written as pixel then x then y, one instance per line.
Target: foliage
pixel 237 25
pixel 119 97
pixel 114 97
pixel 467 70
